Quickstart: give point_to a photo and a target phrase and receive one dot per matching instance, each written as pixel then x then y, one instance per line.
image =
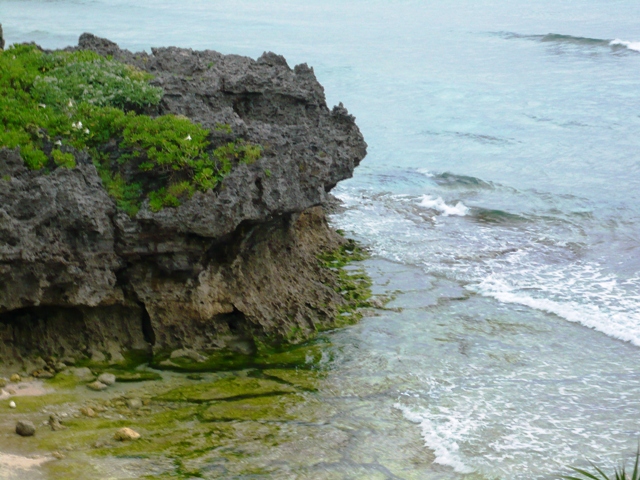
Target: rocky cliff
pixel 227 268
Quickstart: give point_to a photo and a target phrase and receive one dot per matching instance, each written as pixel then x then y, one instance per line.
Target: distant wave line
pixel 575 40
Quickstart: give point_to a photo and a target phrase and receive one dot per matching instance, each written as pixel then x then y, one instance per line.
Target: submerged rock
pixel 15 378
pixel 25 428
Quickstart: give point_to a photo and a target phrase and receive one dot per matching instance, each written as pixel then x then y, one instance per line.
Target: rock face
pixel 224 268
pixel 25 428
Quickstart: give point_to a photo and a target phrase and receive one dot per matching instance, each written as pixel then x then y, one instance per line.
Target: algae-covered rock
pixel 54 423
pixel 88 412
pixel 125 377
pixel 225 388
pixel 280 408
pixel 306 379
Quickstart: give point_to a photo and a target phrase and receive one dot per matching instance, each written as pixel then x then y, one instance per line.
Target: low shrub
pixel 90 102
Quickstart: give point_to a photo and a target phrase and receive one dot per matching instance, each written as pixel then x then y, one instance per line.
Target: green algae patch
pixel 296 407
pixel 225 388
pixel 127 377
pixel 65 380
pixel 351 281
pixel 305 356
pixel 304 379
pixel 280 408
pixel 32 404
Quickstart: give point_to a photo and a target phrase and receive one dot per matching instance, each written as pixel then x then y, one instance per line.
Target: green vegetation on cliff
pixel 53 105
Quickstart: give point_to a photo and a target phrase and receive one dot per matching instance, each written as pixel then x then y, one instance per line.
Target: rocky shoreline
pixel 234 269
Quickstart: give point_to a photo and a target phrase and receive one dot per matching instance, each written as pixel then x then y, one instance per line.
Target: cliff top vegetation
pixel 55 105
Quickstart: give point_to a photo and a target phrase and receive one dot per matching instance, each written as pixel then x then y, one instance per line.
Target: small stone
pixel 69 360
pixel 11 391
pixel 82 373
pixel 60 366
pixel 25 428
pixel 97 386
pixel 44 374
pixel 125 434
pixel 3 382
pixel 15 378
pixel 54 423
pixel 134 403
pixel 12 404
pixel 107 378
pixel 57 455
pixel 168 363
pixel 88 412
pixel 188 353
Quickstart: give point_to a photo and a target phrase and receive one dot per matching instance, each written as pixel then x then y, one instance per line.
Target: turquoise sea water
pixel 501 195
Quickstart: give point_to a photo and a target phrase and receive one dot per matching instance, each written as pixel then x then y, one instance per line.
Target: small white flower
pixel 58 142
pixel 188 137
pixel 42 105
pixel 79 125
pixel 74 125
pixel 86 130
pixel 70 104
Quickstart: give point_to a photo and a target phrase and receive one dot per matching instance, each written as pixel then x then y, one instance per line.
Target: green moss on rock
pixel 225 388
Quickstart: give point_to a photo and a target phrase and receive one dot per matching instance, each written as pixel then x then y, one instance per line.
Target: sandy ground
pixel 24 389
pixel 16 466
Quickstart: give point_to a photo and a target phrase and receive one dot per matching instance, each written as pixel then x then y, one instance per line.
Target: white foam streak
pixel 438 204
pixel 621 323
pixel 630 45
pixel 440 437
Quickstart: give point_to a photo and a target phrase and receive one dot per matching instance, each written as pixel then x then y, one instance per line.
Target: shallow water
pixel 500 195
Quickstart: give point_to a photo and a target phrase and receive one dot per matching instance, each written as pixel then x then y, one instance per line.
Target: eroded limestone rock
pixel 79 277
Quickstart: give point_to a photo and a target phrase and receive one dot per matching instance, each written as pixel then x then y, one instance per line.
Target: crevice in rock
pixel 148 333
pixel 234 320
pixel 147 329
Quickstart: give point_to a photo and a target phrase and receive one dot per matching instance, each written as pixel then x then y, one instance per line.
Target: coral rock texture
pixel 224 268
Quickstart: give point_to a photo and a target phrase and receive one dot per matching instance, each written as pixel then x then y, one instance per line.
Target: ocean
pixel 499 198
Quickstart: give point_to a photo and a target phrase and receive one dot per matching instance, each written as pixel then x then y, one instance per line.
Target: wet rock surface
pixel 78 277
pixel 25 428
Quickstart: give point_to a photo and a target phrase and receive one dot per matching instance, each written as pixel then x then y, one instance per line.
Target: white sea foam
pixel 630 45
pixel 425 172
pixel 439 204
pixel 440 437
pixel 579 294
